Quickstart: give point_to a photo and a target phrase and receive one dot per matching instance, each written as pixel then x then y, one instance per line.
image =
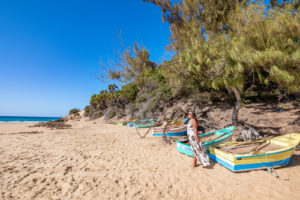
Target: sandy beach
pixel 95 160
pixel 74 75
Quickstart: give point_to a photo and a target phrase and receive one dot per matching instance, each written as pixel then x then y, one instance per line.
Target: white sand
pixel 103 161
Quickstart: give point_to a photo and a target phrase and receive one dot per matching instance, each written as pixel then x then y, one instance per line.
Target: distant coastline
pixel 25 119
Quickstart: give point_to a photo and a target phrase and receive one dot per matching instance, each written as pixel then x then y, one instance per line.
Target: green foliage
pixel 239 42
pixel 112 113
pixel 112 88
pixel 221 48
pixel 129 92
pixel 232 45
pixel 87 111
pixel 133 65
pixel 74 111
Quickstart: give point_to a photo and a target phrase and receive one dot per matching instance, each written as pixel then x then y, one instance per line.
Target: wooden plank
pixel 241 145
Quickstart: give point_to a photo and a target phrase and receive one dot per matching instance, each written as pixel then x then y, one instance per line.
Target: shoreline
pixel 26 119
pixel 20 122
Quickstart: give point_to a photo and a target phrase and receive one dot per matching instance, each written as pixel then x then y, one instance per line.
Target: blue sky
pixel 50 51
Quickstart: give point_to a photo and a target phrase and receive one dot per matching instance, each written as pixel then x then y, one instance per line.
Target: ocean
pixel 22 119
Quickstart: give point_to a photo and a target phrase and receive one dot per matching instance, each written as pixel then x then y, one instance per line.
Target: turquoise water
pixel 19 119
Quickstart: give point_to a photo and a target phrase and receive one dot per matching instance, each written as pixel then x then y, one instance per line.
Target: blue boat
pixel 147 123
pixel 217 137
pixel 179 130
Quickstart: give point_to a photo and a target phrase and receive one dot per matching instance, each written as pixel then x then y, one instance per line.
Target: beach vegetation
pixel 87 111
pixel 224 51
pixel 74 111
pixel 111 113
pixel 233 46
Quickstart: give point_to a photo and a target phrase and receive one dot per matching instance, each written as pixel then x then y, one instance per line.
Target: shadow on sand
pixel 295 160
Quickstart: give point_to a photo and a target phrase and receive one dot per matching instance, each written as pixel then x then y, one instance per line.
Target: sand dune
pixel 102 161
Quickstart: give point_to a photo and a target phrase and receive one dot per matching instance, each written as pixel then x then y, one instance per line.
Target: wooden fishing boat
pixel 261 154
pixel 207 139
pixel 178 130
pixel 142 124
pixel 145 125
pixel 131 124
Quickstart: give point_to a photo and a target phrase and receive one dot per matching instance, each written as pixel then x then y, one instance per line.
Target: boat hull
pixel 144 125
pixel 187 149
pixel 170 131
pixel 131 124
pixel 182 133
pixel 262 160
pixel 141 125
pixel 251 166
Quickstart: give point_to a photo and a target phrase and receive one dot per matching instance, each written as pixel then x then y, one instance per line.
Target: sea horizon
pixel 25 119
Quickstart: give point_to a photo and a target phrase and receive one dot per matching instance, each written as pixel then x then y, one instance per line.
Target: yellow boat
pixel 261 154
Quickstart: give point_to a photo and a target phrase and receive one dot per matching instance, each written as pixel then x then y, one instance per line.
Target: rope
pixel 144 134
pixel 148 131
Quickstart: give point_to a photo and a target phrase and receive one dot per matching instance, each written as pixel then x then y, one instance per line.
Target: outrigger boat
pixel 145 125
pixel 179 130
pixel 208 139
pixel 131 124
pixel 265 153
pixel 148 123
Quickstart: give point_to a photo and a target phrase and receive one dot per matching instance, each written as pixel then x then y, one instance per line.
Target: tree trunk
pixel 236 108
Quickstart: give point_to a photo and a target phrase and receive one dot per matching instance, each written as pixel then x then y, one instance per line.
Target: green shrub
pixel 87 111
pixel 129 92
pixel 74 111
pixel 112 113
pixel 100 114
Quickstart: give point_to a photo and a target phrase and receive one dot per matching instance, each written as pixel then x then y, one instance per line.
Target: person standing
pixel 198 150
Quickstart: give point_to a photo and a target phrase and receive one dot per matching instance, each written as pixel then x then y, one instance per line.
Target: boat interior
pixel 251 147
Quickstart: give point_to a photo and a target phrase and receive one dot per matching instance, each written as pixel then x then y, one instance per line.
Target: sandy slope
pixel 102 161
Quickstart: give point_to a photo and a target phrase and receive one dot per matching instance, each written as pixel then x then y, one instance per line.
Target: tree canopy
pixel 236 46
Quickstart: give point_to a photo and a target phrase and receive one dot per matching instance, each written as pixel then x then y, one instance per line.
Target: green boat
pixel 145 125
pixel 208 139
